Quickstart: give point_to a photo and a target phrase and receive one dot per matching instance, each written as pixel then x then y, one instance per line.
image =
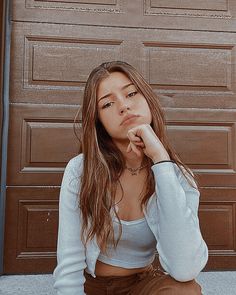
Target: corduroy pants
pixel 151 282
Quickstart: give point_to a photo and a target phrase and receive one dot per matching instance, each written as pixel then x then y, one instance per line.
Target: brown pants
pixel 151 282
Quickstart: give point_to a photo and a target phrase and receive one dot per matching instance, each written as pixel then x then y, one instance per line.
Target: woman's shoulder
pixel 75 161
pixel 75 165
pixel 71 183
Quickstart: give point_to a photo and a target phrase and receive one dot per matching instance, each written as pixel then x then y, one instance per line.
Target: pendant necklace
pixel 135 171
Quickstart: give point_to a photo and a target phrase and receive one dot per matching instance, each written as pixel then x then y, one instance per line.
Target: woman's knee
pixel 173 287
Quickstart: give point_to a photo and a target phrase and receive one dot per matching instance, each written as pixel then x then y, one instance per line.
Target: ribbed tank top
pixel 136 247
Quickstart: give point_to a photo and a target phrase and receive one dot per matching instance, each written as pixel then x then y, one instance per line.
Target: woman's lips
pixel 128 118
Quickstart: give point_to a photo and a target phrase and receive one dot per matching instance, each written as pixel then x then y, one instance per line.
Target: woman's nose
pixel 124 105
pixel 124 108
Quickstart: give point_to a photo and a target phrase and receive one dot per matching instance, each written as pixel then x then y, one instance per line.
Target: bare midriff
pixel 103 269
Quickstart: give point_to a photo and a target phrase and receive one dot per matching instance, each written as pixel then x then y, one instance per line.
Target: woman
pixel 126 196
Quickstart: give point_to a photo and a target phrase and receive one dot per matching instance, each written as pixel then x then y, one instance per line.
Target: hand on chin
pixel 134 151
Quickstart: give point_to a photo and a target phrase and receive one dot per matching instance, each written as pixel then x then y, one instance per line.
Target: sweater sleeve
pixel 69 273
pixel 182 251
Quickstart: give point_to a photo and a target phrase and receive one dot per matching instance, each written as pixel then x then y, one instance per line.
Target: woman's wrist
pixel 159 158
pixel 163 161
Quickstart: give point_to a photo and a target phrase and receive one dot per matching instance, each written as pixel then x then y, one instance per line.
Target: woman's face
pixel 120 106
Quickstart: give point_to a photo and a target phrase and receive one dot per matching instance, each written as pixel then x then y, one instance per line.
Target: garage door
pixel 185 49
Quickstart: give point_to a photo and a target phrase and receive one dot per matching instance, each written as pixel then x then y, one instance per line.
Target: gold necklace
pixel 134 171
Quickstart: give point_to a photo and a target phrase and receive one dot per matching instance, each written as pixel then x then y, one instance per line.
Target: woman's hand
pixel 143 139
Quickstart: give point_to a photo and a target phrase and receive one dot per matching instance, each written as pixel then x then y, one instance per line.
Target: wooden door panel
pixel 215 15
pixel 215 5
pixel 41 142
pixel 84 12
pixel 31 235
pixel 218 229
pixel 217 224
pixel 206 141
pixel 40 62
pixel 217 215
pixel 185 73
pixel 190 62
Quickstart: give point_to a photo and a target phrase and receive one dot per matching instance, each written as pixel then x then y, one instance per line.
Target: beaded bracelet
pixel 163 162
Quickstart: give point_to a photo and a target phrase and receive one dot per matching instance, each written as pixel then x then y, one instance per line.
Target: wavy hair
pixel 103 162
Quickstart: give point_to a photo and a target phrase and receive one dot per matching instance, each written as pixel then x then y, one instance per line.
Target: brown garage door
pixel 187 54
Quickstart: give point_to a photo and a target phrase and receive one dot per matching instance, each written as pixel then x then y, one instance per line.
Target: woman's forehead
pixel 114 81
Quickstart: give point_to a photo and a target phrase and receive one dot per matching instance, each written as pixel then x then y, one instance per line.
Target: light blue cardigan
pixel 172 217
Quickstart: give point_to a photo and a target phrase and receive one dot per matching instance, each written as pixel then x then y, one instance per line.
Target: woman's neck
pixel 131 159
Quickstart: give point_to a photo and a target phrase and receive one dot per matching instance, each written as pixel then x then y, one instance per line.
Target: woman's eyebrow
pixel 127 85
pixel 109 94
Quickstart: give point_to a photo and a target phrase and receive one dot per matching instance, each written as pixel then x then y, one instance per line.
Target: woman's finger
pixel 129 149
pixel 132 136
pixel 140 144
pixel 135 149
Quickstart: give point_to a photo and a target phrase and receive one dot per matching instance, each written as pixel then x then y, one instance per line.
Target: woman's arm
pixel 69 273
pixel 182 250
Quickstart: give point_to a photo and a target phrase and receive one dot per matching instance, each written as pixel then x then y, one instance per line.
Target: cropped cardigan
pixel 171 214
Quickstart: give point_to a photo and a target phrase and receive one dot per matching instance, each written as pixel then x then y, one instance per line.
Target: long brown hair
pixel 103 163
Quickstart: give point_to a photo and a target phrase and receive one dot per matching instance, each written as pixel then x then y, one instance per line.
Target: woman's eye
pixel 107 105
pixel 133 93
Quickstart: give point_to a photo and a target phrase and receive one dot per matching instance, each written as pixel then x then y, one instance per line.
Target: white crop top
pixel 136 247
